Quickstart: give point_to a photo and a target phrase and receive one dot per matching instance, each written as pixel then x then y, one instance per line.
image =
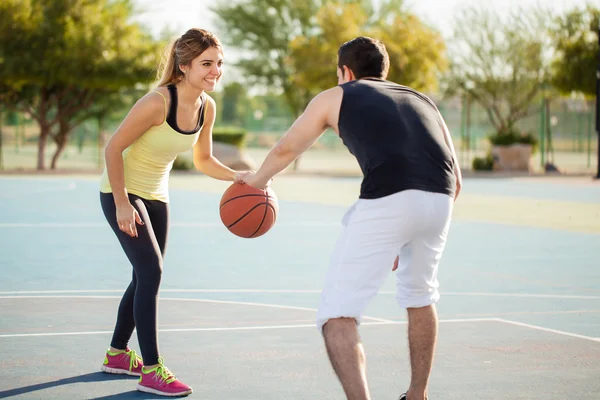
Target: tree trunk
pixel 60 147
pixel 1 151
pixel 44 132
pixel 61 142
pixel 44 128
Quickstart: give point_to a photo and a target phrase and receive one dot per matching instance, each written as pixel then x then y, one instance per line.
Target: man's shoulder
pixel 330 94
pixel 414 92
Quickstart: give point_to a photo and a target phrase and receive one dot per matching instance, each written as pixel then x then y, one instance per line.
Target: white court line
pixel 224 329
pixel 51 225
pixel 241 303
pixel 61 188
pixel 526 295
pixel 379 321
pixel 541 328
pixel 299 291
pixel 174 224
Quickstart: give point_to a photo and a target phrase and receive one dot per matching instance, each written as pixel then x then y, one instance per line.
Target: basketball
pixel 248 212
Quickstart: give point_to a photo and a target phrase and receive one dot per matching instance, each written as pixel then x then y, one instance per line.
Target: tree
pixel 314 56
pixel 263 30
pixel 498 63
pixel 234 101
pixel 62 56
pixel 576 39
pixel 416 51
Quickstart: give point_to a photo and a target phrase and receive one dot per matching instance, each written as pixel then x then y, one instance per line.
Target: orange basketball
pixel 248 212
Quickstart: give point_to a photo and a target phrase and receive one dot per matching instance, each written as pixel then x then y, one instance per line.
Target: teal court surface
pixel 519 312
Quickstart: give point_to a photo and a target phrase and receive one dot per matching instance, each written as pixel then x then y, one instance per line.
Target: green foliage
pixel 483 163
pixel 234 104
pixel 230 135
pixel 499 63
pixel 576 39
pixel 181 163
pixel 63 61
pixel 74 42
pixel 512 136
pixel 263 30
pixel 314 56
pixel 416 51
pixel 292 45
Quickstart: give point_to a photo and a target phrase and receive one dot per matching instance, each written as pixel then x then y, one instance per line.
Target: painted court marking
pixel 241 303
pixel 541 328
pixel 306 291
pixel 377 321
pixel 241 328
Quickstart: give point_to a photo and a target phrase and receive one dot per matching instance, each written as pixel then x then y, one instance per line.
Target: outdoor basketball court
pixel 519 313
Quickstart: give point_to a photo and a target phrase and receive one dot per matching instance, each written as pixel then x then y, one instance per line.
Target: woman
pixel 176 116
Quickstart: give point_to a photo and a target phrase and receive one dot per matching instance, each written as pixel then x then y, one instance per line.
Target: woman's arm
pixel 204 160
pixel 147 112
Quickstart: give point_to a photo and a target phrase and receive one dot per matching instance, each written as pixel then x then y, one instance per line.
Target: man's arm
pixel 300 137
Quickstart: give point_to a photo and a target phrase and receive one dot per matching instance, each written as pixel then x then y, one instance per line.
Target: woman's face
pixel 205 70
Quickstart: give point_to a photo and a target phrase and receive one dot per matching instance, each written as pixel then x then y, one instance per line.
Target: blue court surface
pixel 519 312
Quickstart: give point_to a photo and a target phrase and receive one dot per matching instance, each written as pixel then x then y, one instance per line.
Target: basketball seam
pixel 247 212
pixel 264 215
pixel 239 197
pixel 269 205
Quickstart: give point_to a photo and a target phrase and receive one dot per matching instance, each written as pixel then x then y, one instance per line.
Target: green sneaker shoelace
pixel 134 359
pixel 163 372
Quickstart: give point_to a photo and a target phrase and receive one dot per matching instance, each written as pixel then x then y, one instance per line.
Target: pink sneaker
pixel 122 362
pixel 159 380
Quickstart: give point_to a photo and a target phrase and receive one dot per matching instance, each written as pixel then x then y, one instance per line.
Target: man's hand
pixel 239 176
pixel 458 188
pixel 251 179
pixel 395 266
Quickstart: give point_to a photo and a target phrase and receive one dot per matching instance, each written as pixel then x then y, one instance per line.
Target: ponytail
pixel 168 71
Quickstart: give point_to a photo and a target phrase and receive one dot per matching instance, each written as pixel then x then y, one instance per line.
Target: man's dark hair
pixel 365 56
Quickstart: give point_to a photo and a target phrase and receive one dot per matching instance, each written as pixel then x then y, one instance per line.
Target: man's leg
pixel 347 356
pixel 417 285
pixel 422 336
pixel 358 269
pixel 360 263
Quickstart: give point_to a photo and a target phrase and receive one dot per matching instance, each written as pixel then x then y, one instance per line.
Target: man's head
pixel 362 57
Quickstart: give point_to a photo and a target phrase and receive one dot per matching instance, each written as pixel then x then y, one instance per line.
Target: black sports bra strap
pixel 172 117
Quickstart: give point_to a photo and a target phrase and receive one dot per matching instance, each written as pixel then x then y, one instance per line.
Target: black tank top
pixel 397 137
pixel 172 115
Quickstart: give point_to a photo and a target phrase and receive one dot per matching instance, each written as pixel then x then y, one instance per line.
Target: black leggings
pixel 146 252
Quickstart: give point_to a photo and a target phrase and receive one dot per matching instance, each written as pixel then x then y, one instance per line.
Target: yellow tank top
pixel 148 161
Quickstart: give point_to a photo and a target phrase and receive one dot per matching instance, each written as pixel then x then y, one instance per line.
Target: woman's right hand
pixel 127 216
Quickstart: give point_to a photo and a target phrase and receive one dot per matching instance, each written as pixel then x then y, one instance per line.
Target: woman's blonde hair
pixel 182 51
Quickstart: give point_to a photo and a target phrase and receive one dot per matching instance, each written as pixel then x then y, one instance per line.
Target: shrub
pixel 182 164
pixel 230 135
pixel 512 136
pixel 483 163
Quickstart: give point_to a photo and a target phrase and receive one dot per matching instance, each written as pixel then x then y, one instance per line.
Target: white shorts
pixel 411 224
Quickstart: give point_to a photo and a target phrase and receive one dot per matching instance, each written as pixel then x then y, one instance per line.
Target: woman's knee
pixel 149 271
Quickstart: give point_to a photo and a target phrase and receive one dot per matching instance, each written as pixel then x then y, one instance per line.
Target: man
pixel 402 216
